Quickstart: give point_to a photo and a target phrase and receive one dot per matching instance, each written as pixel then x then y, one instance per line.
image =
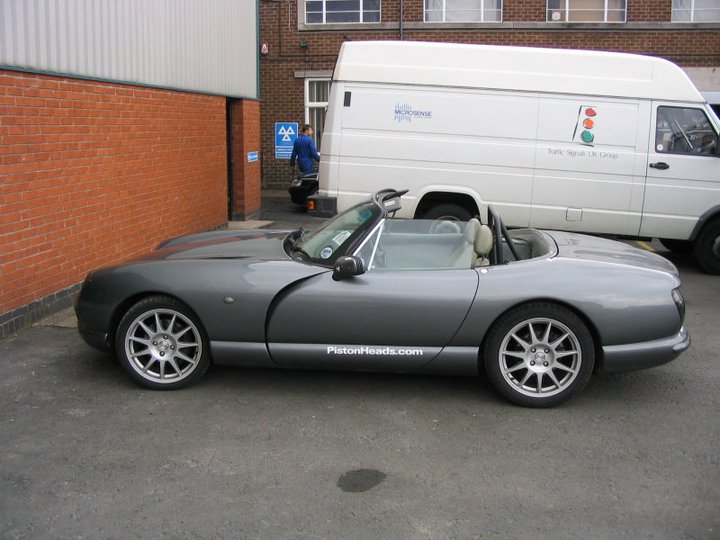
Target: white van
pixel 557 139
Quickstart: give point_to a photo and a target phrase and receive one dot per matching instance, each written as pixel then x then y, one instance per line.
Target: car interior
pixel 425 244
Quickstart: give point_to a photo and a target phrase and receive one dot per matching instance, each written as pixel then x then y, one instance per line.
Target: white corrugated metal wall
pixel 197 45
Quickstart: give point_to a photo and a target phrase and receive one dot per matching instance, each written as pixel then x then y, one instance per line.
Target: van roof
pixel 514 68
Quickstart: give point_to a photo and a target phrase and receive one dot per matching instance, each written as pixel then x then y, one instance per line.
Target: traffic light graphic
pixel 586 122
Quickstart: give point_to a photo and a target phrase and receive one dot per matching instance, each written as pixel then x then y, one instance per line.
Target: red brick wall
pixel 94 173
pixel 649 10
pixel 282 94
pixel 245 129
pixel 524 10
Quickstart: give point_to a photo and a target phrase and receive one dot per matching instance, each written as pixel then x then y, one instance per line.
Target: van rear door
pixel 683 171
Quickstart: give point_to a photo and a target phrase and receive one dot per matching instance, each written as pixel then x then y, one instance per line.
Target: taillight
pixel 679 303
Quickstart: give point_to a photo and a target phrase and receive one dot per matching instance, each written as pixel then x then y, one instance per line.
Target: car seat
pixel 482 245
pixel 464 255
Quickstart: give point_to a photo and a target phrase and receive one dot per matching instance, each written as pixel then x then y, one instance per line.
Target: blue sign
pixel 252 156
pixel 285 135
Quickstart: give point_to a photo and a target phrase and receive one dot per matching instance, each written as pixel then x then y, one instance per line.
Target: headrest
pixel 483 240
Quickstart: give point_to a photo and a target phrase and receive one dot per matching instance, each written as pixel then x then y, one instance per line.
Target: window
pixel 586 10
pixel 342 11
pixel 696 10
pixel 684 131
pixel 463 10
pixel 317 92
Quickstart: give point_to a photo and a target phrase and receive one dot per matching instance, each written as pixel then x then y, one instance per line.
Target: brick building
pixel 300 40
pixel 121 124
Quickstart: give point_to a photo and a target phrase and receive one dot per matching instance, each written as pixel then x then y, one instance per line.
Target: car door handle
pixel 660 165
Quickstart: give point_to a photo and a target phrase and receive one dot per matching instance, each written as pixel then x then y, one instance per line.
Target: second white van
pixel 575 140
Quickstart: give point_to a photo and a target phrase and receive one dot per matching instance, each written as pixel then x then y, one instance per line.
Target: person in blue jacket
pixel 304 150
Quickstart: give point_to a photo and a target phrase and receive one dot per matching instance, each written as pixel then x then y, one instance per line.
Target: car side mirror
pixel 347 266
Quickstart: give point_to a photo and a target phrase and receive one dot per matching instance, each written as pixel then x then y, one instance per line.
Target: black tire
pixel 162 344
pixel 448 211
pixel 681 247
pixel 543 370
pixel 707 247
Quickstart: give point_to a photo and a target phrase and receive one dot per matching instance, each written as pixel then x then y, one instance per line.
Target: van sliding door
pixel 590 164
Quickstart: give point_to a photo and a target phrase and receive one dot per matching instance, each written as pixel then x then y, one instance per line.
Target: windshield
pixel 336 237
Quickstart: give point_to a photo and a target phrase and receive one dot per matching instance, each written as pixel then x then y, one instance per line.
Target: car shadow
pixel 684 263
pixel 337 384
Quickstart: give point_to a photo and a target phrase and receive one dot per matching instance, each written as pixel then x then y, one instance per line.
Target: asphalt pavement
pixel 250 453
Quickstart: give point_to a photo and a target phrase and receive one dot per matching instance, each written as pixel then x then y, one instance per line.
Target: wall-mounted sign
pixel 252 156
pixel 264 49
pixel 285 135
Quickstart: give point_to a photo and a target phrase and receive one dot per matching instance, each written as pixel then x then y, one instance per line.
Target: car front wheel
pixel 161 344
pixel 539 355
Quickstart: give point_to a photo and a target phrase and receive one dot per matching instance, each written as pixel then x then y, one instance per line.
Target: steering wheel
pixel 500 233
pixel 445 226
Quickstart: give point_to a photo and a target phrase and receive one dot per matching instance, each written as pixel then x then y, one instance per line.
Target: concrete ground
pixel 270 454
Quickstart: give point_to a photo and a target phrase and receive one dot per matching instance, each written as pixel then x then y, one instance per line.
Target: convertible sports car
pixel 538 311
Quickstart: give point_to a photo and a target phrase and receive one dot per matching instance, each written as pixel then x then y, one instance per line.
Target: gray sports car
pixel 539 311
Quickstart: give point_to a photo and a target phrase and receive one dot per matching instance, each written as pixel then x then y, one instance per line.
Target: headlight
pixel 295 182
pixel 679 303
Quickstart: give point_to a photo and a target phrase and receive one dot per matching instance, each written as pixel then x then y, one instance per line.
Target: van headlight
pixel 295 182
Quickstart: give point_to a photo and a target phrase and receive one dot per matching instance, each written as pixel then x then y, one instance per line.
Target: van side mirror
pixel 347 266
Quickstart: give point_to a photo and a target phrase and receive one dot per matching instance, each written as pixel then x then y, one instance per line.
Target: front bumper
pixel 634 356
pixel 97 340
pixel 93 319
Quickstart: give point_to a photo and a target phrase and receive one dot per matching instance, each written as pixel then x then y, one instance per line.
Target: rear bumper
pixel 321 206
pixel 300 191
pixel 617 358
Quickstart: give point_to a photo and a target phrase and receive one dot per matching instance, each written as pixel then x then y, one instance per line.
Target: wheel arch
pixel 433 197
pixel 594 333
pixel 708 216
pixel 122 308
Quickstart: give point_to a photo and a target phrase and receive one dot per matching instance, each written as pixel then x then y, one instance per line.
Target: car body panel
pixel 230 296
pixel 377 309
pixel 638 307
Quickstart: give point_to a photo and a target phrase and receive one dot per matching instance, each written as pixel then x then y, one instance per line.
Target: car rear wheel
pixel 539 355
pixel 161 344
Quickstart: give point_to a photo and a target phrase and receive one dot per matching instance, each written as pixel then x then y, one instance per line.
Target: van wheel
pixel 448 211
pixel 681 247
pixel 707 248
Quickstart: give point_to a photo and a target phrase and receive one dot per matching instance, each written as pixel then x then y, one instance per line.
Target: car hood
pixel 257 245
pixel 580 246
